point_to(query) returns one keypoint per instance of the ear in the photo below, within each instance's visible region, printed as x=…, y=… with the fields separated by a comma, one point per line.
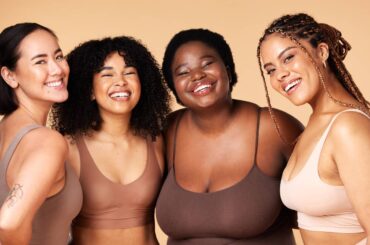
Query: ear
x=323, y=52
x=9, y=77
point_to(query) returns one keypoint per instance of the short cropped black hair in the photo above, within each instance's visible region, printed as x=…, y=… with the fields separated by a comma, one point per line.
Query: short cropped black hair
x=211, y=39
x=79, y=113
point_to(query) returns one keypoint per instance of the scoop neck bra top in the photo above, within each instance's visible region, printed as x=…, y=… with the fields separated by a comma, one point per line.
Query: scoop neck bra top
x=320, y=206
x=52, y=220
x=110, y=205
x=249, y=212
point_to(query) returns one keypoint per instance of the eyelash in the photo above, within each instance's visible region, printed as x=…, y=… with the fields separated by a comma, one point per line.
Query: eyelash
x=288, y=58
x=60, y=57
x=207, y=64
x=40, y=62
x=269, y=72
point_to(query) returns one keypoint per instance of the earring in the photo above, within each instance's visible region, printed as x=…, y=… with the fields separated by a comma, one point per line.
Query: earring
x=324, y=63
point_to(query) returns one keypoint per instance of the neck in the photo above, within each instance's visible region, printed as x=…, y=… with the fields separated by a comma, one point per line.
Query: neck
x=115, y=127
x=212, y=120
x=322, y=103
x=38, y=114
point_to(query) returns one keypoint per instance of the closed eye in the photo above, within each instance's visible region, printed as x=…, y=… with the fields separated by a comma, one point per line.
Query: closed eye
x=107, y=75
x=208, y=63
x=130, y=73
x=182, y=73
x=40, y=62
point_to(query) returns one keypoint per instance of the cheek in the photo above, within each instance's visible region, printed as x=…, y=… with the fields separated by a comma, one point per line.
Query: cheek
x=179, y=86
x=98, y=88
x=138, y=89
x=274, y=83
x=65, y=68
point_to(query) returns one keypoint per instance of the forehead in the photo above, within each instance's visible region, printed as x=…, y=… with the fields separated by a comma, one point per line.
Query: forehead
x=115, y=57
x=274, y=44
x=38, y=42
x=196, y=47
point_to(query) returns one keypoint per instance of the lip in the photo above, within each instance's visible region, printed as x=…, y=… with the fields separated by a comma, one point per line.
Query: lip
x=202, y=88
x=57, y=84
x=120, y=95
x=290, y=86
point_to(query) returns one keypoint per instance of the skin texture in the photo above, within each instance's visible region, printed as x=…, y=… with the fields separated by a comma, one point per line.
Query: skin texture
x=344, y=158
x=205, y=159
x=41, y=63
x=127, y=159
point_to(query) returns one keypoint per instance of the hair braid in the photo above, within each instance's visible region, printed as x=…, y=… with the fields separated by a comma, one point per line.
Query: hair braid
x=303, y=26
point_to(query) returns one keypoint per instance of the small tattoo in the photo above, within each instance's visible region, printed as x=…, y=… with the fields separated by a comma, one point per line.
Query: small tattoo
x=14, y=195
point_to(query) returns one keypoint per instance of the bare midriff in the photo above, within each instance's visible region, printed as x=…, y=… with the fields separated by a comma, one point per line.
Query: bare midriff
x=140, y=235
x=318, y=237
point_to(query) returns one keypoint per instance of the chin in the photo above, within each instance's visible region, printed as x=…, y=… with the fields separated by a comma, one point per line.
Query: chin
x=61, y=98
x=298, y=103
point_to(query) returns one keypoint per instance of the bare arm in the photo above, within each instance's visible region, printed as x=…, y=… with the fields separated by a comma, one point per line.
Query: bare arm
x=39, y=174
x=351, y=153
x=274, y=146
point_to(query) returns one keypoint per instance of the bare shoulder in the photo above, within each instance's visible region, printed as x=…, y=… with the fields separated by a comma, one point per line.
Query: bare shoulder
x=42, y=150
x=159, y=150
x=46, y=140
x=172, y=119
x=171, y=124
x=349, y=127
x=289, y=126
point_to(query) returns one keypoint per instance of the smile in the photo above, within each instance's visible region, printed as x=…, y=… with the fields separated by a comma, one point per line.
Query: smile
x=202, y=88
x=291, y=85
x=54, y=84
x=120, y=95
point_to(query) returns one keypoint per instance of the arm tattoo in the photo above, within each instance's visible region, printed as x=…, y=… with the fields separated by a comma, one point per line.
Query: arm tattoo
x=14, y=195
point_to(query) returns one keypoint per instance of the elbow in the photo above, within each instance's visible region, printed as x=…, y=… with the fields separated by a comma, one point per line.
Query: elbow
x=9, y=226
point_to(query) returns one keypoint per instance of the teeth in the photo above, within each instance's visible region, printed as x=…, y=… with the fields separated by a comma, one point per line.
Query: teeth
x=291, y=85
x=201, y=88
x=54, y=84
x=120, y=95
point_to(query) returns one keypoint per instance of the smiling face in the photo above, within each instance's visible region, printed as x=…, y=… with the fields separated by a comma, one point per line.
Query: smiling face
x=116, y=87
x=199, y=75
x=41, y=72
x=290, y=70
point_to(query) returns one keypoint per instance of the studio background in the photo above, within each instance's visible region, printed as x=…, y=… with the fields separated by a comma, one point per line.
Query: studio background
x=241, y=22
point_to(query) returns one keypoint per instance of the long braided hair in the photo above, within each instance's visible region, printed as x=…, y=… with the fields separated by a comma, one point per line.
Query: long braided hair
x=303, y=26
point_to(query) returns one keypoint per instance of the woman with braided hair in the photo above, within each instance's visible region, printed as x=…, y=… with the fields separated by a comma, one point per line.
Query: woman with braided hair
x=327, y=177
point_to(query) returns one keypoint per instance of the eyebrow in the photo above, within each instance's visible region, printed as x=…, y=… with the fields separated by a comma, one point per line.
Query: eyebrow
x=279, y=56
x=111, y=68
x=45, y=55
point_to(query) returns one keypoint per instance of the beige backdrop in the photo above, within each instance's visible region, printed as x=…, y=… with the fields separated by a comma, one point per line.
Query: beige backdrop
x=240, y=21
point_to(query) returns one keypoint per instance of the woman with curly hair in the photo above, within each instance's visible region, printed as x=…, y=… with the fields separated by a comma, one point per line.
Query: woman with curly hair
x=327, y=177
x=224, y=156
x=113, y=120
x=39, y=192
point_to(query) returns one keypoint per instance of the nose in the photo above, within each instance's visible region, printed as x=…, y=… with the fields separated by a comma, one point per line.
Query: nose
x=197, y=75
x=121, y=81
x=282, y=74
x=55, y=68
